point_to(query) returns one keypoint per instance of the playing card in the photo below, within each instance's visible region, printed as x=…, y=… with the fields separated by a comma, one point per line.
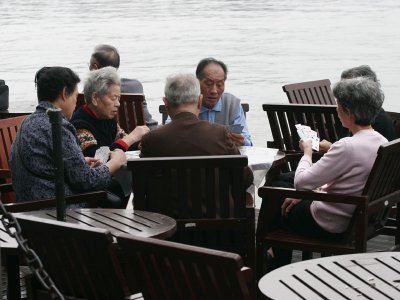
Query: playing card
x=235, y=128
x=103, y=153
x=306, y=133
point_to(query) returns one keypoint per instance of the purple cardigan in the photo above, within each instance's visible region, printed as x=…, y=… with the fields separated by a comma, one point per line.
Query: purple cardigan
x=344, y=169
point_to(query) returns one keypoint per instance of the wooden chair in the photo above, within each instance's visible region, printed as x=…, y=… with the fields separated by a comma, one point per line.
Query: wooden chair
x=204, y=194
x=82, y=261
x=164, y=113
x=310, y=92
x=167, y=270
x=8, y=131
x=283, y=118
x=130, y=112
x=9, y=246
x=380, y=193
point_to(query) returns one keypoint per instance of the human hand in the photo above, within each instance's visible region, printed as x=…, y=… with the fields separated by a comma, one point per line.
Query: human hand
x=93, y=162
x=237, y=138
x=305, y=146
x=118, y=157
x=136, y=134
x=324, y=145
x=288, y=205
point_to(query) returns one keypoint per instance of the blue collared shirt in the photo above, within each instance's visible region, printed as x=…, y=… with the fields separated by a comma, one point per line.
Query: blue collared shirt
x=208, y=114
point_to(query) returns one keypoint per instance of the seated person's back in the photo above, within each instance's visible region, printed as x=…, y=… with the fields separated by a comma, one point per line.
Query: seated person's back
x=31, y=159
x=186, y=135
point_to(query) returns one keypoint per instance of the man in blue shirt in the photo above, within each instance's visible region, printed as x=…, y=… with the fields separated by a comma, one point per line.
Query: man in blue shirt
x=219, y=107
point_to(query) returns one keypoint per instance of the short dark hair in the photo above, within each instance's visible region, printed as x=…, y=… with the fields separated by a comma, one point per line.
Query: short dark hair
x=106, y=56
x=362, y=96
x=50, y=82
x=360, y=71
x=205, y=62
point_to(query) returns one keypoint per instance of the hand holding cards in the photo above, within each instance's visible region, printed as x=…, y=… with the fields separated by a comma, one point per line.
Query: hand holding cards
x=103, y=154
x=235, y=128
x=306, y=133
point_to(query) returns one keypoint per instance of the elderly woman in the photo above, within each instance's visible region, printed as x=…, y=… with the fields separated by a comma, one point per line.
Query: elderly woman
x=31, y=154
x=95, y=121
x=343, y=169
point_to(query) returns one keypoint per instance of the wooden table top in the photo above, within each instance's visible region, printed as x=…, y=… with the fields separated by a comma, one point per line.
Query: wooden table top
x=7, y=243
x=135, y=222
x=373, y=275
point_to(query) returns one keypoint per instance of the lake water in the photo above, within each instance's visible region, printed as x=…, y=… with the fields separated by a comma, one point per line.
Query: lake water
x=265, y=44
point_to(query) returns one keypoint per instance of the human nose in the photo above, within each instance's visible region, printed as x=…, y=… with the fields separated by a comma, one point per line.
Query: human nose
x=214, y=89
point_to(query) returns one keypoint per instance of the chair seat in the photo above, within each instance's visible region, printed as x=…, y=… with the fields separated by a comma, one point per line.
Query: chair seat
x=291, y=240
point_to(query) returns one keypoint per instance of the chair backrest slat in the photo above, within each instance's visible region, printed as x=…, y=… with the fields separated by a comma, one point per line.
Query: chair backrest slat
x=82, y=261
x=172, y=174
x=167, y=270
x=283, y=118
x=130, y=111
x=310, y=92
x=384, y=177
x=8, y=132
x=205, y=194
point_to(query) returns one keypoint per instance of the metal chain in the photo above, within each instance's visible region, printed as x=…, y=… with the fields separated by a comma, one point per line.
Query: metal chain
x=13, y=228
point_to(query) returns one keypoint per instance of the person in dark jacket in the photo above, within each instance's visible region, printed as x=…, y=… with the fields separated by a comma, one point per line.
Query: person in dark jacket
x=108, y=56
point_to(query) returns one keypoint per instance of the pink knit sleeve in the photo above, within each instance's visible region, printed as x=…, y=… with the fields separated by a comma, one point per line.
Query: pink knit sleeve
x=334, y=163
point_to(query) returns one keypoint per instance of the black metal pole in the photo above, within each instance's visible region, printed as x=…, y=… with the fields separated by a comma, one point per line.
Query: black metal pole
x=55, y=116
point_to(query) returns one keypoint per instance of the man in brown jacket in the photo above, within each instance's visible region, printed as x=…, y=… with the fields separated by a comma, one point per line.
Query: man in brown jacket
x=186, y=135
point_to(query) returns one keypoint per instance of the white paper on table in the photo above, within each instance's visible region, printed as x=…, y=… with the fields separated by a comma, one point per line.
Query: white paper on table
x=130, y=155
x=259, y=161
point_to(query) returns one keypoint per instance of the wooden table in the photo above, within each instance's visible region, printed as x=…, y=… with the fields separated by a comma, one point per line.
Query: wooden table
x=135, y=222
x=260, y=160
x=373, y=275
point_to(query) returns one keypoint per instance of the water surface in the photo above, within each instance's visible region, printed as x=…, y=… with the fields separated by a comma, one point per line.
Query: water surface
x=265, y=44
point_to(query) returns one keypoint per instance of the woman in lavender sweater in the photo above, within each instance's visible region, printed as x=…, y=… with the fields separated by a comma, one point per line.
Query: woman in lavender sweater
x=343, y=169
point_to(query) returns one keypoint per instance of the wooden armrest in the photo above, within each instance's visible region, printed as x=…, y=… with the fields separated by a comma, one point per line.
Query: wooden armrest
x=137, y=296
x=279, y=193
x=247, y=273
x=385, y=201
x=92, y=199
x=5, y=173
x=6, y=188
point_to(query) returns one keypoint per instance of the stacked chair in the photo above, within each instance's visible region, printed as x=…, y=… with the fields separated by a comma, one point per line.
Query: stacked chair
x=86, y=263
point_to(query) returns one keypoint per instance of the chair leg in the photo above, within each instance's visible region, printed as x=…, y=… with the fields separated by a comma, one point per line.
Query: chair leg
x=261, y=253
x=306, y=255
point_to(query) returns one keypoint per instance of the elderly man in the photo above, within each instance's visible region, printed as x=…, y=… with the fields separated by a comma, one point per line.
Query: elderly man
x=108, y=56
x=186, y=134
x=218, y=106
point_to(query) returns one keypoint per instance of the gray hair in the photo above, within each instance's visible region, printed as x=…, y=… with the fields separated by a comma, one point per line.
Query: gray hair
x=99, y=81
x=360, y=71
x=360, y=95
x=182, y=89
